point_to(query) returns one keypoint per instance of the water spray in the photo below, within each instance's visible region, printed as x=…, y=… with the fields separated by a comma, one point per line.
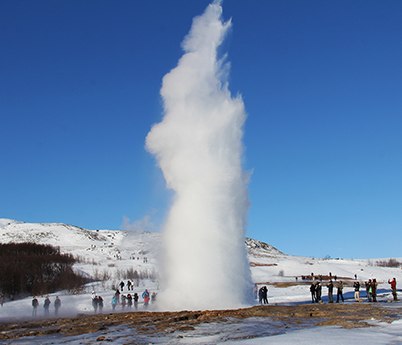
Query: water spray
x=198, y=146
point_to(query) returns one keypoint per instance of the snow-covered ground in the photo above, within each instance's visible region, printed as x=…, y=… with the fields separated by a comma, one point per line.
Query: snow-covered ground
x=72, y=304
x=113, y=252
x=379, y=334
x=260, y=331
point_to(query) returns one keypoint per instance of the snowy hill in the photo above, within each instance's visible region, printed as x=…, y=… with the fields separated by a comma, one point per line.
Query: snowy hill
x=4, y=222
x=113, y=251
x=260, y=249
x=93, y=244
x=105, y=247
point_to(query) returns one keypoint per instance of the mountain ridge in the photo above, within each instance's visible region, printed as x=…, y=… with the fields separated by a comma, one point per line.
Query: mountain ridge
x=60, y=234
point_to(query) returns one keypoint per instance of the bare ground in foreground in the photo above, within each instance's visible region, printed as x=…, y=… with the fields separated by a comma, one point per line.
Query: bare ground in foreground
x=348, y=315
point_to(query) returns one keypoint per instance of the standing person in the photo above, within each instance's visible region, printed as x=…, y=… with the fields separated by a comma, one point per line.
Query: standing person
x=117, y=295
x=374, y=289
x=35, y=305
x=318, y=292
x=129, y=284
x=123, y=301
x=265, y=295
x=356, y=285
x=57, y=305
x=121, y=285
x=100, y=304
x=393, y=287
x=46, y=305
x=330, y=287
x=260, y=293
x=368, y=290
x=135, y=298
x=340, y=291
x=255, y=291
x=145, y=296
x=95, y=304
x=129, y=299
x=2, y=299
x=312, y=290
x=114, y=302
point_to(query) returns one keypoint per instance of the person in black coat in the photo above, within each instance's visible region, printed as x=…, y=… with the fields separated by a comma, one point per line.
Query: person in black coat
x=265, y=295
x=312, y=290
x=356, y=285
x=260, y=295
x=135, y=298
x=35, y=304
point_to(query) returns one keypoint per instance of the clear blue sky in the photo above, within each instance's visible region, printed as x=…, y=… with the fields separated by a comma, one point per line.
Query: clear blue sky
x=321, y=82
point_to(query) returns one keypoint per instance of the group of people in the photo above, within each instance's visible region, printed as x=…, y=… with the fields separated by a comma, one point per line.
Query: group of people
x=46, y=305
x=97, y=302
x=312, y=276
x=130, y=300
x=371, y=289
x=130, y=285
x=144, y=259
x=370, y=286
x=126, y=300
x=316, y=291
x=262, y=294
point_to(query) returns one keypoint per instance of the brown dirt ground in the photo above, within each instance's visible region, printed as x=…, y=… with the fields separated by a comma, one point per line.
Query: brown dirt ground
x=151, y=323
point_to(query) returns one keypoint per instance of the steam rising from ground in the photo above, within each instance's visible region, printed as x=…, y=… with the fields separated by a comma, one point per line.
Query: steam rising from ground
x=199, y=147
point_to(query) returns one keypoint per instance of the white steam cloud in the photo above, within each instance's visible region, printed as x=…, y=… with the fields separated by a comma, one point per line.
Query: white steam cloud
x=138, y=225
x=198, y=146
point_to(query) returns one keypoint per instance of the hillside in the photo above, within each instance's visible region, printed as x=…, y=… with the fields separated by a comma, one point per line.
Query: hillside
x=112, y=251
x=104, y=247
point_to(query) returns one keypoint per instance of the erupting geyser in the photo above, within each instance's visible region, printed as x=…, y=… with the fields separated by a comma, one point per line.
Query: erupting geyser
x=198, y=146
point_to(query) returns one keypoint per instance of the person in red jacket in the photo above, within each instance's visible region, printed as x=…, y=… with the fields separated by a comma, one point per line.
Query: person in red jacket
x=393, y=287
